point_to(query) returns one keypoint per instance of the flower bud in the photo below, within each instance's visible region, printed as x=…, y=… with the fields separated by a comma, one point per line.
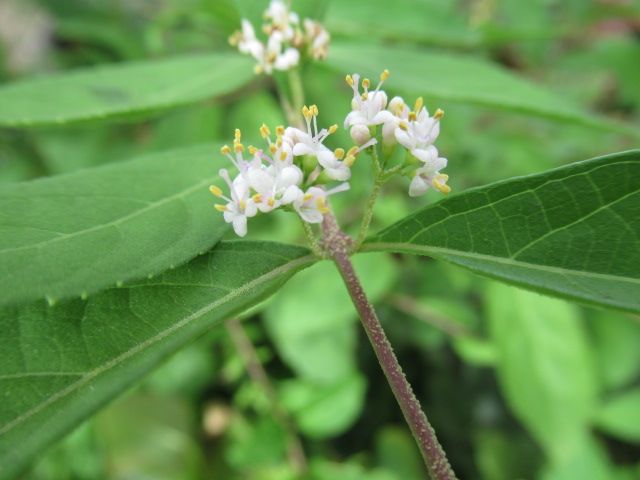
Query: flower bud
x=360, y=134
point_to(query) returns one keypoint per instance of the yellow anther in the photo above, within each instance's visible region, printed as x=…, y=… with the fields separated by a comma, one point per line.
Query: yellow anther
x=220, y=208
x=279, y=130
x=439, y=183
x=366, y=83
x=237, y=135
x=257, y=198
x=306, y=197
x=349, y=80
x=339, y=153
x=252, y=150
x=217, y=191
x=322, y=206
x=279, y=143
x=243, y=204
x=264, y=131
x=349, y=161
x=439, y=114
x=384, y=75
x=238, y=147
x=283, y=156
x=314, y=110
x=403, y=125
x=273, y=149
x=365, y=95
x=333, y=128
x=271, y=202
x=306, y=113
x=225, y=150
x=353, y=151
x=418, y=105
x=412, y=116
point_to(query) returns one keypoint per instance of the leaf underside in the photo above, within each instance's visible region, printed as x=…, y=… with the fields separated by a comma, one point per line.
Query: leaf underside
x=78, y=233
x=572, y=232
x=60, y=364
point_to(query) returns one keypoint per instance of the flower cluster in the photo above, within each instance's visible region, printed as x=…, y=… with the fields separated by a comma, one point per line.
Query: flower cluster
x=292, y=172
x=287, y=38
x=413, y=128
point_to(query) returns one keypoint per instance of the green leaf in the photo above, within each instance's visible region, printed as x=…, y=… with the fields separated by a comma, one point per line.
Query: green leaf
x=620, y=416
x=544, y=366
x=572, y=232
x=121, y=90
x=422, y=21
x=324, y=410
x=60, y=364
x=458, y=78
x=315, y=337
x=78, y=233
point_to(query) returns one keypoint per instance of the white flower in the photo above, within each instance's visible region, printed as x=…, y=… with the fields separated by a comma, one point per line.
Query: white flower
x=312, y=205
x=429, y=176
x=239, y=207
x=311, y=143
x=275, y=187
x=400, y=111
x=281, y=18
x=368, y=108
x=420, y=131
x=317, y=38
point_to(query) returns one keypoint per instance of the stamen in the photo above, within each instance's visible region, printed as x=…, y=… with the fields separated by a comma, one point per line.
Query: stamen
x=403, y=125
x=306, y=197
x=237, y=135
x=412, y=116
x=283, y=156
x=349, y=80
x=217, y=191
x=366, y=83
x=439, y=114
x=322, y=206
x=242, y=204
x=339, y=153
x=225, y=150
x=418, y=105
x=279, y=130
x=353, y=151
x=252, y=150
x=384, y=75
x=349, y=161
x=257, y=198
x=439, y=183
x=333, y=129
x=273, y=149
x=220, y=208
x=271, y=202
x=238, y=147
x=264, y=131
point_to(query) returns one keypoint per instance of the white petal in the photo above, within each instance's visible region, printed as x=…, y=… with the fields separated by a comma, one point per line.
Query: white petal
x=261, y=181
x=289, y=176
x=418, y=186
x=327, y=158
x=240, y=225
x=382, y=117
x=302, y=149
x=291, y=194
x=427, y=155
x=404, y=138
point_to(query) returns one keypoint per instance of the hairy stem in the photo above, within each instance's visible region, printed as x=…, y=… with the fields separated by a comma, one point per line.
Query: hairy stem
x=368, y=214
x=311, y=238
x=297, y=90
x=337, y=245
x=256, y=372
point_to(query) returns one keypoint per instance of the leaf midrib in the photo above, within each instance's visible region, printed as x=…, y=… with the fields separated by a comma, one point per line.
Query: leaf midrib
x=391, y=246
x=89, y=376
x=150, y=206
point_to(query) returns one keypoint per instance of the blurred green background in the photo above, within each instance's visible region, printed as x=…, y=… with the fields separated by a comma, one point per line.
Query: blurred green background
x=517, y=385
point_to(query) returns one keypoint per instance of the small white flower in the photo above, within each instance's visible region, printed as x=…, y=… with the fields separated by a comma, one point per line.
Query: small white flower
x=239, y=207
x=400, y=111
x=429, y=176
x=317, y=38
x=247, y=41
x=311, y=143
x=275, y=187
x=312, y=205
x=282, y=18
x=368, y=108
x=420, y=131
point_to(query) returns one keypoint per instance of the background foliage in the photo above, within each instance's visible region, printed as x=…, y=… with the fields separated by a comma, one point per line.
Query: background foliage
x=517, y=385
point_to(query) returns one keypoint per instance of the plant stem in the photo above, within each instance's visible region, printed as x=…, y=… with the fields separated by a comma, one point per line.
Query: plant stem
x=311, y=238
x=256, y=371
x=337, y=245
x=297, y=89
x=368, y=214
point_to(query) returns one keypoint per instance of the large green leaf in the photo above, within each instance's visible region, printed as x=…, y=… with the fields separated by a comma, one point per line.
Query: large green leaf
x=544, y=366
x=573, y=231
x=77, y=233
x=458, y=78
x=125, y=89
x=61, y=363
